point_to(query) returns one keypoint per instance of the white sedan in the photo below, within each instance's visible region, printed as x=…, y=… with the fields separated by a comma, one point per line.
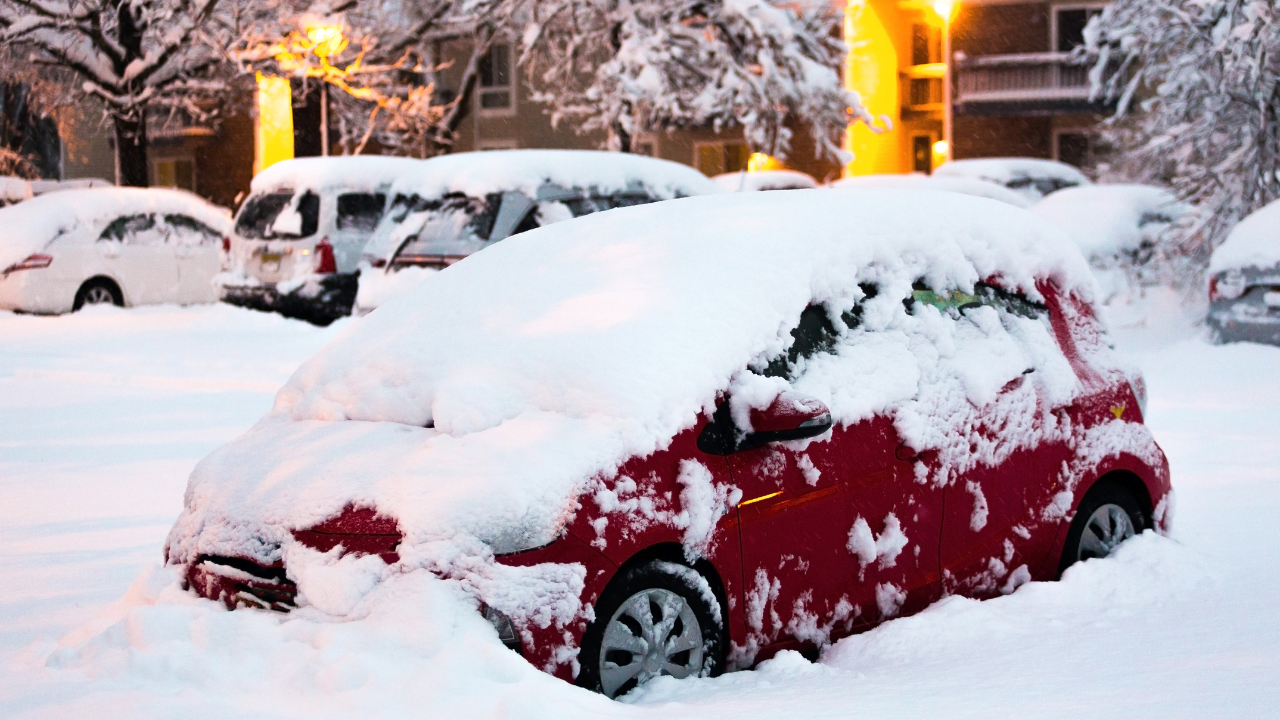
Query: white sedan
x=125, y=246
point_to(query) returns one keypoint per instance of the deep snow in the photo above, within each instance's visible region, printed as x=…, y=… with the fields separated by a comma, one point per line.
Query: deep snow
x=104, y=413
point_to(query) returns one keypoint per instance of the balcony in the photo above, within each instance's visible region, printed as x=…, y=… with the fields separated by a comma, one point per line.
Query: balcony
x=1023, y=84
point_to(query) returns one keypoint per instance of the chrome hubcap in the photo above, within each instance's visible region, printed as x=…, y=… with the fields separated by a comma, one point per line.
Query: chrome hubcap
x=1108, y=526
x=98, y=295
x=655, y=632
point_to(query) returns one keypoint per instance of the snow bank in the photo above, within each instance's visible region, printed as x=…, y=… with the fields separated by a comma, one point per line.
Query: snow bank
x=367, y=173
x=14, y=190
x=1254, y=243
x=1017, y=173
x=962, y=185
x=32, y=224
x=479, y=173
x=764, y=180
x=1107, y=220
x=476, y=408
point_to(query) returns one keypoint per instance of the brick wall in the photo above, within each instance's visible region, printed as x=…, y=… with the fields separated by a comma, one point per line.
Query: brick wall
x=1000, y=29
x=1003, y=137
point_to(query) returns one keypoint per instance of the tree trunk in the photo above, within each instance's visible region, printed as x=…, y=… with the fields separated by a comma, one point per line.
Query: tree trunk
x=131, y=151
x=621, y=137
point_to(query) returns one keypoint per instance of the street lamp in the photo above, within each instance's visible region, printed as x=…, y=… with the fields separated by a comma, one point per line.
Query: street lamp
x=945, y=9
x=326, y=41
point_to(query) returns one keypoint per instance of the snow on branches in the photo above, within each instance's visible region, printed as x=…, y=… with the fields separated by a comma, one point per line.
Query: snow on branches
x=628, y=67
x=1204, y=76
x=131, y=55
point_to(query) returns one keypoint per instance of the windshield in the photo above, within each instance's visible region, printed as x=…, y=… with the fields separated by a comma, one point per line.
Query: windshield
x=455, y=224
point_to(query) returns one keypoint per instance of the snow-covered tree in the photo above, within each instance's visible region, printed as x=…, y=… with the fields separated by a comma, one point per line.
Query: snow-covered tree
x=1197, y=86
x=630, y=66
x=130, y=55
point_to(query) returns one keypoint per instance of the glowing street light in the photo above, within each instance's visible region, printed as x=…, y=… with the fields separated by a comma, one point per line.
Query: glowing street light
x=326, y=41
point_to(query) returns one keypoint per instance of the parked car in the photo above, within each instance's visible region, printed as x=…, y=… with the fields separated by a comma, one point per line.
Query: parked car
x=1244, y=281
x=15, y=189
x=676, y=439
x=1032, y=178
x=765, y=180
x=125, y=246
x=453, y=206
x=915, y=181
x=298, y=236
x=1115, y=226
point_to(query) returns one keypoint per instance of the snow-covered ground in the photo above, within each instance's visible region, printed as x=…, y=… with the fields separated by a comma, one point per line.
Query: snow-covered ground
x=104, y=413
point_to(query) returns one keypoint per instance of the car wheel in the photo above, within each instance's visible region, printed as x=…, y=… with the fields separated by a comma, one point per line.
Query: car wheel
x=98, y=291
x=653, y=620
x=1108, y=515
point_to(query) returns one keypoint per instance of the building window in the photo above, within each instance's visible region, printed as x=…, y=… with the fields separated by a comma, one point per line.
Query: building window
x=926, y=44
x=714, y=158
x=925, y=91
x=497, y=91
x=1073, y=148
x=922, y=154
x=1069, y=24
x=179, y=174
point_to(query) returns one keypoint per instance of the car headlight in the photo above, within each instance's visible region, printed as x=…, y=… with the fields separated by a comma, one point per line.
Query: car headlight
x=506, y=629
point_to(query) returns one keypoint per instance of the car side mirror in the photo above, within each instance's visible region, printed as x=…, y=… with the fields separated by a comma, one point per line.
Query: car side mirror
x=792, y=416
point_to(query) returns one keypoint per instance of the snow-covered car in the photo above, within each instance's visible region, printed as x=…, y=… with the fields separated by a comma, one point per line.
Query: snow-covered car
x=676, y=439
x=1244, y=281
x=15, y=190
x=453, y=206
x=760, y=180
x=299, y=235
x=125, y=246
x=917, y=181
x=1032, y=178
x=1115, y=226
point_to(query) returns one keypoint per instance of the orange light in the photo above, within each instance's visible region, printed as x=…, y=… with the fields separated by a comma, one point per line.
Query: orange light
x=941, y=148
x=756, y=500
x=944, y=8
x=759, y=162
x=326, y=41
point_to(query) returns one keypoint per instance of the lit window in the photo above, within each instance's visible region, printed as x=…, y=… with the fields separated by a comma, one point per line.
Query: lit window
x=176, y=174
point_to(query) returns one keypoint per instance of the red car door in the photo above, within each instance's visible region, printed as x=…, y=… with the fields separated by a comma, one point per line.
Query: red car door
x=995, y=535
x=797, y=573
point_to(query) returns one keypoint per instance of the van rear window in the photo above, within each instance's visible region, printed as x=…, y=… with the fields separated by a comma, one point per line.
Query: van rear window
x=259, y=212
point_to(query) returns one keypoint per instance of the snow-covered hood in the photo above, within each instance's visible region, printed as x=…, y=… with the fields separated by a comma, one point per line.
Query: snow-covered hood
x=1006, y=170
x=962, y=185
x=550, y=359
x=1253, y=244
x=764, y=180
x=31, y=225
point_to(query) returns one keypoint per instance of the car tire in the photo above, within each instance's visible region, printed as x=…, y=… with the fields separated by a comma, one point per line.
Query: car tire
x=1108, y=515
x=98, y=291
x=658, y=600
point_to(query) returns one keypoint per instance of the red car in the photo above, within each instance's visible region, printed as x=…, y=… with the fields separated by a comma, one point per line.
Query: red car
x=948, y=418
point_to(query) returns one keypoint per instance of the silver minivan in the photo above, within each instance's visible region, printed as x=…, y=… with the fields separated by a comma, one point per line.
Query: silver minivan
x=456, y=205
x=299, y=235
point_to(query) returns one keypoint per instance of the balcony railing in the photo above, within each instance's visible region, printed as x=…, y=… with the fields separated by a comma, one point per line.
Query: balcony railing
x=1033, y=77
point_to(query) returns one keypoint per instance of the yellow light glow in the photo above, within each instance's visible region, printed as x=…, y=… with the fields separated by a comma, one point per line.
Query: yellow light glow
x=871, y=69
x=759, y=162
x=940, y=148
x=944, y=8
x=326, y=41
x=273, y=132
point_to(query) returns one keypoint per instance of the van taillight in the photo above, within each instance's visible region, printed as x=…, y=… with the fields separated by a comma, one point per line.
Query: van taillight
x=324, y=257
x=226, y=245
x=30, y=262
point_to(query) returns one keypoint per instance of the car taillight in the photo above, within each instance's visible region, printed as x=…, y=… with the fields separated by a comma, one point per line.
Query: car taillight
x=31, y=262
x=324, y=257
x=1213, y=288
x=226, y=245
x=379, y=262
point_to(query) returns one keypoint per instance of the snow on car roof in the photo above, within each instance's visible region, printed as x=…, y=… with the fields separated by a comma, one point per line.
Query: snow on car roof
x=368, y=173
x=1105, y=220
x=490, y=171
x=1005, y=170
x=916, y=181
x=1253, y=243
x=32, y=224
x=765, y=180
x=482, y=402
x=14, y=189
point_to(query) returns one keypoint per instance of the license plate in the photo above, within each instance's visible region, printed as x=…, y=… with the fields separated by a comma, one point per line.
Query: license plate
x=270, y=262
